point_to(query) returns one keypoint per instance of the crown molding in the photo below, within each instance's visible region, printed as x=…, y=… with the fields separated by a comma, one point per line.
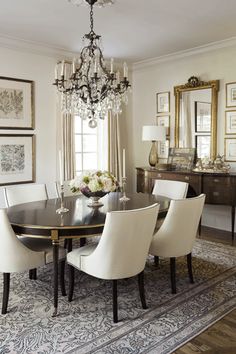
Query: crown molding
x=184, y=53
x=35, y=48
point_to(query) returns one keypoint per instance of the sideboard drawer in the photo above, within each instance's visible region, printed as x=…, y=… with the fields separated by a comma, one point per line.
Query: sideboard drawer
x=218, y=189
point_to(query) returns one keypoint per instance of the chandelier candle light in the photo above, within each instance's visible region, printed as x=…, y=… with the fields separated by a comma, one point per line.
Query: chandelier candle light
x=124, y=198
x=90, y=89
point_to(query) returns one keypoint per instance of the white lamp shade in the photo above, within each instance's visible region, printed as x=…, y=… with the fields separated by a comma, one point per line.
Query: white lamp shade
x=154, y=133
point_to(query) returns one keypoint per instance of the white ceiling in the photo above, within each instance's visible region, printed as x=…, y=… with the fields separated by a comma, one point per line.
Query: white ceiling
x=130, y=29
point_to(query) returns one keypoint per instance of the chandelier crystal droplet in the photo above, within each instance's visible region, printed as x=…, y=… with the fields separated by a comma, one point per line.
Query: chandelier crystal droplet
x=87, y=87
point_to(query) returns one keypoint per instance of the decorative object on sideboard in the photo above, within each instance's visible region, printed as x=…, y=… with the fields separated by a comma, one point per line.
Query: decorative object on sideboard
x=207, y=165
x=17, y=159
x=153, y=133
x=91, y=90
x=230, y=89
x=182, y=158
x=163, y=102
x=16, y=103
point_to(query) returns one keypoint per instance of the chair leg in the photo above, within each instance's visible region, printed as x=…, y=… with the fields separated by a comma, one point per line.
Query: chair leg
x=190, y=270
x=172, y=275
x=71, y=282
x=82, y=241
x=33, y=274
x=156, y=261
x=141, y=289
x=115, y=308
x=6, y=288
x=30, y=274
x=62, y=277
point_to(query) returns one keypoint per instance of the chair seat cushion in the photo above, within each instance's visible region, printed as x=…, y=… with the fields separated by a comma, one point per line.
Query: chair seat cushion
x=40, y=244
x=74, y=257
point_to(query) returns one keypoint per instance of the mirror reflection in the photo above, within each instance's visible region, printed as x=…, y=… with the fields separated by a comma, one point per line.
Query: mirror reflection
x=195, y=121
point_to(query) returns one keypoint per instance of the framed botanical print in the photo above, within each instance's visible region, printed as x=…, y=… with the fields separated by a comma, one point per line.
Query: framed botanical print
x=163, y=149
x=202, y=117
x=17, y=159
x=231, y=94
x=16, y=103
x=165, y=122
x=163, y=102
x=230, y=122
x=230, y=149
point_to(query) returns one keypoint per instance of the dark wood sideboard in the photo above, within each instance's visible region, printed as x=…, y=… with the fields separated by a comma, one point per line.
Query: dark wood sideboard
x=220, y=188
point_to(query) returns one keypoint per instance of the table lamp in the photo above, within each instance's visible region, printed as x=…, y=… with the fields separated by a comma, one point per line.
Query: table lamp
x=153, y=133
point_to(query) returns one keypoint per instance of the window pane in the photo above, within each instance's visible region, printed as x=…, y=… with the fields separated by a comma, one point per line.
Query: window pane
x=90, y=161
x=78, y=162
x=89, y=143
x=78, y=147
x=87, y=129
x=77, y=125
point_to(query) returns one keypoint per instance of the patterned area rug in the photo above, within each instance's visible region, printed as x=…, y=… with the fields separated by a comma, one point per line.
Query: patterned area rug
x=85, y=325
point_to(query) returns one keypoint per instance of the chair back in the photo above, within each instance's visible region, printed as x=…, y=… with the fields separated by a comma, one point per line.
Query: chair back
x=170, y=189
x=177, y=234
x=14, y=256
x=24, y=193
x=124, y=244
x=67, y=190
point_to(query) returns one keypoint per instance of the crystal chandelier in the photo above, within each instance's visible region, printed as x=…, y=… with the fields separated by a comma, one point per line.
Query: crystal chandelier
x=87, y=87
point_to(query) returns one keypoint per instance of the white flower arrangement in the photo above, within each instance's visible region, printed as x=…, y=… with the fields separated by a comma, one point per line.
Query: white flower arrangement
x=94, y=182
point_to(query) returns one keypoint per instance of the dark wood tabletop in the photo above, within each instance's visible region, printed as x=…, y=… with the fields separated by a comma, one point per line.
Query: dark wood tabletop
x=39, y=218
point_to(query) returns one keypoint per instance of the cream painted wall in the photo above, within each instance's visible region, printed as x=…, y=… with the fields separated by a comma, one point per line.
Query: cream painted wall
x=40, y=69
x=147, y=81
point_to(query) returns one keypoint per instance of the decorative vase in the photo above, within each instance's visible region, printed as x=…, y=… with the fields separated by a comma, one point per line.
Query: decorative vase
x=94, y=197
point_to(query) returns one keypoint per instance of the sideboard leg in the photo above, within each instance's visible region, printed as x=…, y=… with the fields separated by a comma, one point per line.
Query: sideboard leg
x=233, y=220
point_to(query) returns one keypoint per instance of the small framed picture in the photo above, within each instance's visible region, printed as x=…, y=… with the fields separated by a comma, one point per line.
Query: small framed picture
x=17, y=159
x=16, y=103
x=163, y=149
x=203, y=143
x=231, y=94
x=163, y=102
x=202, y=117
x=165, y=122
x=230, y=122
x=230, y=149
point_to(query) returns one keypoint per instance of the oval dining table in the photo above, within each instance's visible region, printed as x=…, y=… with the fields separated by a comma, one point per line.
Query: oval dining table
x=40, y=219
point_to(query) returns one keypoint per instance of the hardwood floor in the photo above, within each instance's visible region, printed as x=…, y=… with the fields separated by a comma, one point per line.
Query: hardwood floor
x=220, y=338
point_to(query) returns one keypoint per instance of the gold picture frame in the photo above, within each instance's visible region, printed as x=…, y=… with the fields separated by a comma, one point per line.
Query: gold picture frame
x=230, y=149
x=163, y=102
x=230, y=90
x=164, y=121
x=17, y=159
x=16, y=103
x=230, y=122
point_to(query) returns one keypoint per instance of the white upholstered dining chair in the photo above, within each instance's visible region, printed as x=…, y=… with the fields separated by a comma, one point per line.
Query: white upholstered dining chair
x=177, y=234
x=27, y=193
x=16, y=257
x=121, y=252
x=24, y=193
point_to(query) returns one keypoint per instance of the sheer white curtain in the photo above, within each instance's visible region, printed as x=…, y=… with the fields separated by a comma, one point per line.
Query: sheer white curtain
x=185, y=124
x=114, y=146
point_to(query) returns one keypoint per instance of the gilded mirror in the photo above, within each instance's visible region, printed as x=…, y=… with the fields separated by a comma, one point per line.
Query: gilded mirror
x=196, y=116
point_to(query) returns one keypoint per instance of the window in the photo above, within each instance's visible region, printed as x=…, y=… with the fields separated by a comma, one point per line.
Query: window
x=91, y=146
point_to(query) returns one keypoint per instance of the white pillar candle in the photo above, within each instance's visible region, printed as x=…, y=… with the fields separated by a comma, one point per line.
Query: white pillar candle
x=60, y=168
x=112, y=60
x=125, y=70
x=73, y=66
x=124, y=163
x=56, y=72
x=62, y=67
x=118, y=77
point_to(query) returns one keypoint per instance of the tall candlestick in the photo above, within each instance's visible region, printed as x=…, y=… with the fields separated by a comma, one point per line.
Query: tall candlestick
x=60, y=168
x=123, y=163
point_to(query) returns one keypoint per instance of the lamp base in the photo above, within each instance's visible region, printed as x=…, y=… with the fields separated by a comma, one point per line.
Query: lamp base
x=153, y=157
